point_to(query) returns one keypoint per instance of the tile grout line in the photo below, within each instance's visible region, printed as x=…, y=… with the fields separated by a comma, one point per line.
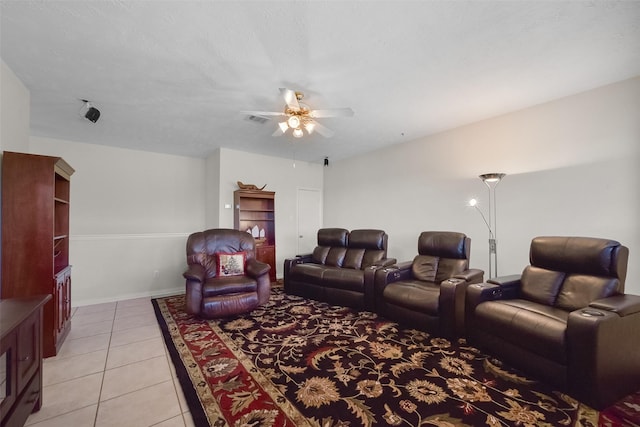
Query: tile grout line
x=104, y=370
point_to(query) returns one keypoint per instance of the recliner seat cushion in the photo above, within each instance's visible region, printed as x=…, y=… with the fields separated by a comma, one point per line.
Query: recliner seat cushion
x=344, y=278
x=537, y=327
x=309, y=273
x=415, y=295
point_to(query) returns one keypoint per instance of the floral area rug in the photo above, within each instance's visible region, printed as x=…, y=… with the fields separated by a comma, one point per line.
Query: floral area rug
x=298, y=362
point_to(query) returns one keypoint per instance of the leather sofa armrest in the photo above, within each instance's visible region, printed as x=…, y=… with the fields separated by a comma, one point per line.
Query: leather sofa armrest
x=398, y=271
x=603, y=350
x=472, y=275
x=303, y=258
x=481, y=292
x=255, y=268
x=195, y=272
x=387, y=262
x=513, y=279
x=390, y=274
x=622, y=305
x=452, y=305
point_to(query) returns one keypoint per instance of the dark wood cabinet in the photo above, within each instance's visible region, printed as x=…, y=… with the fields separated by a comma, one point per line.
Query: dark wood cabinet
x=35, y=238
x=255, y=213
x=20, y=358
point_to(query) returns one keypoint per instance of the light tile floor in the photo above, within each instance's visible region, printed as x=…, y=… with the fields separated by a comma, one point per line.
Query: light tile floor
x=112, y=370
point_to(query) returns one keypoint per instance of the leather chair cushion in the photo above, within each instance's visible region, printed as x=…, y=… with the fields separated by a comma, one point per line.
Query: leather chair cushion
x=372, y=256
x=335, y=257
x=344, y=278
x=333, y=237
x=536, y=327
x=319, y=254
x=448, y=267
x=353, y=258
x=367, y=239
x=415, y=295
x=444, y=245
x=308, y=273
x=425, y=267
x=579, y=290
x=584, y=255
x=229, y=285
x=541, y=285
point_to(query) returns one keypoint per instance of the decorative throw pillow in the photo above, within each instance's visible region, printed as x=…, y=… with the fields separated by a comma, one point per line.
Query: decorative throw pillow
x=231, y=264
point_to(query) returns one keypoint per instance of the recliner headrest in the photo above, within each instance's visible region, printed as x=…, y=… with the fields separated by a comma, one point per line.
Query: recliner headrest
x=583, y=255
x=444, y=244
x=368, y=239
x=217, y=240
x=333, y=237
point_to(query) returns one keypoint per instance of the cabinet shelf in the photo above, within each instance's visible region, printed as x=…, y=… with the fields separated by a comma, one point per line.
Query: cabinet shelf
x=59, y=200
x=257, y=208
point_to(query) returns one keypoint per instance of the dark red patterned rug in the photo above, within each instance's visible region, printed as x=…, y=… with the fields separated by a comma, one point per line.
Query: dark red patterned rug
x=297, y=362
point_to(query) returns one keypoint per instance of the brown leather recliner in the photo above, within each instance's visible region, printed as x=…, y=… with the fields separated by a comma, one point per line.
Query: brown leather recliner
x=429, y=292
x=565, y=320
x=214, y=289
x=341, y=269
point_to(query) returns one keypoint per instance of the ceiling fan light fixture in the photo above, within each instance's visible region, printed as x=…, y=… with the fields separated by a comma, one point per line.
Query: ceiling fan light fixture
x=283, y=126
x=293, y=122
x=298, y=133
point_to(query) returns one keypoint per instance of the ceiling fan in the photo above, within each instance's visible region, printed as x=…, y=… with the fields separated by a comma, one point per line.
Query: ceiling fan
x=299, y=117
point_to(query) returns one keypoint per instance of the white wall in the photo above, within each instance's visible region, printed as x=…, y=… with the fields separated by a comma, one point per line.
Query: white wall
x=131, y=213
x=212, y=188
x=14, y=111
x=572, y=165
x=281, y=176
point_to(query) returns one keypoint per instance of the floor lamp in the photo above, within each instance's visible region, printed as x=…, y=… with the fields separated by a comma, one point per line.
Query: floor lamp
x=491, y=180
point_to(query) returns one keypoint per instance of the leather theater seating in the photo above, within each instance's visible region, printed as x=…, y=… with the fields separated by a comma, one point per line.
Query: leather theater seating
x=566, y=320
x=429, y=291
x=341, y=269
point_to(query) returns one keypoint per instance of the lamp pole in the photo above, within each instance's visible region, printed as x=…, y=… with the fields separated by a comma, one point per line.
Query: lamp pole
x=491, y=180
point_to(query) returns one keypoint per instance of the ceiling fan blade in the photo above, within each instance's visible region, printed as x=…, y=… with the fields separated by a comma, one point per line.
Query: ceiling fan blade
x=278, y=132
x=333, y=112
x=265, y=114
x=290, y=98
x=322, y=130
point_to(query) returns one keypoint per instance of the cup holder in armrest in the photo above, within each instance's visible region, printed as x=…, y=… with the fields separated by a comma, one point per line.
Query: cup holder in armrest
x=591, y=313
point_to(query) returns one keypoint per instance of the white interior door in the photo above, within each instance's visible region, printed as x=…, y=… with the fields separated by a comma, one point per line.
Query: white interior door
x=309, y=219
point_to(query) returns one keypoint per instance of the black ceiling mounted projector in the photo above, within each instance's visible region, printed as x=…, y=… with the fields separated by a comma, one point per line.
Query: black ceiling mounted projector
x=92, y=114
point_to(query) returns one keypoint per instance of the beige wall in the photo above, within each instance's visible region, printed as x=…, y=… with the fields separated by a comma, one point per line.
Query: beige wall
x=14, y=111
x=131, y=213
x=573, y=168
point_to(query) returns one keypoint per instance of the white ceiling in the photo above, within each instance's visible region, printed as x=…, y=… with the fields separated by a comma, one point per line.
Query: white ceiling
x=173, y=76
